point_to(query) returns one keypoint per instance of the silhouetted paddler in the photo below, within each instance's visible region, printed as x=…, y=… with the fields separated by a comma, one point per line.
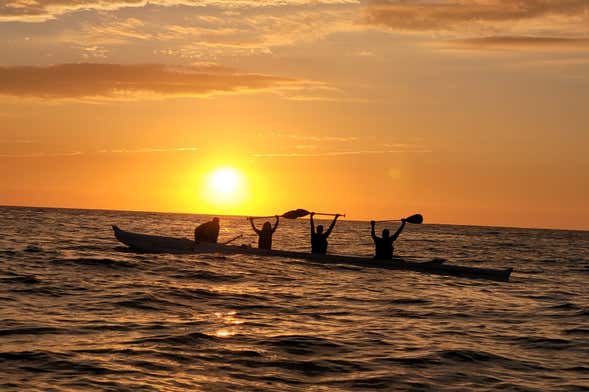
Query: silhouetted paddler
x=384, y=245
x=318, y=237
x=265, y=235
x=207, y=232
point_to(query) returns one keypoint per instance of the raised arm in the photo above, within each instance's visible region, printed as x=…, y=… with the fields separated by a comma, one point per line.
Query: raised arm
x=254, y=226
x=372, y=233
x=328, y=232
x=276, y=224
x=312, y=223
x=399, y=230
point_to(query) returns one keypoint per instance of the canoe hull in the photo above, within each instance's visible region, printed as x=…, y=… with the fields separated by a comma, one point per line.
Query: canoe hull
x=159, y=244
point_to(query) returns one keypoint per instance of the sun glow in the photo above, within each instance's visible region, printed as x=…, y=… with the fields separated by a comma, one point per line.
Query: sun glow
x=225, y=180
x=225, y=187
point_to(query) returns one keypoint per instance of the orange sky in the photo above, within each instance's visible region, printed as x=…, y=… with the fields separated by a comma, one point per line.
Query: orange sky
x=470, y=112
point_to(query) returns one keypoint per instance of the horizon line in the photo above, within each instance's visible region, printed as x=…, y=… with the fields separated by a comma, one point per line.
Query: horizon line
x=238, y=216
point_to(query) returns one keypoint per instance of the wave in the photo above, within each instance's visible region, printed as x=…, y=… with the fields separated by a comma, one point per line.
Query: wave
x=47, y=291
x=87, y=248
x=31, y=331
x=580, y=369
x=304, y=345
x=581, y=387
x=26, y=279
x=411, y=301
x=9, y=253
x=96, y=262
x=566, y=306
x=404, y=313
x=545, y=343
x=506, y=245
x=577, y=331
x=184, y=339
x=147, y=302
x=193, y=294
x=383, y=383
x=33, y=249
x=46, y=361
x=480, y=357
x=267, y=379
x=318, y=367
x=236, y=299
x=208, y=276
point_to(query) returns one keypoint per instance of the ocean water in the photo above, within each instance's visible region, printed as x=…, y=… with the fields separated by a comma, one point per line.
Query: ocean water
x=79, y=314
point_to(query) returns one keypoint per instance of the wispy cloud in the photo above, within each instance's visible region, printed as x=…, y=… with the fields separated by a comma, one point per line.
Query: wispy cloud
x=41, y=154
x=141, y=81
x=336, y=153
x=215, y=29
x=453, y=14
x=144, y=150
x=42, y=10
x=109, y=30
x=310, y=137
x=487, y=24
x=318, y=146
x=149, y=150
x=213, y=32
x=521, y=42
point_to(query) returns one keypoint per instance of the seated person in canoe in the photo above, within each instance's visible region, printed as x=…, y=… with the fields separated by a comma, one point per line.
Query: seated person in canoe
x=265, y=235
x=384, y=246
x=207, y=232
x=318, y=237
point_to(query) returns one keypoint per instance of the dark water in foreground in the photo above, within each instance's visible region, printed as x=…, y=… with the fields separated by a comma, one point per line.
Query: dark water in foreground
x=78, y=315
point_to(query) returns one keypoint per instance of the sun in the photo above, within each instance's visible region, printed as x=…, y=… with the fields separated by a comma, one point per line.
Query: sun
x=225, y=188
x=225, y=180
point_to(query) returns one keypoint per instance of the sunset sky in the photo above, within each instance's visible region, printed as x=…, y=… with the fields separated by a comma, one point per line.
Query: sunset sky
x=467, y=111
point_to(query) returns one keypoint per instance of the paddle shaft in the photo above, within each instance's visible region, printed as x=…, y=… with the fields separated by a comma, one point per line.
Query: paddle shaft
x=299, y=216
x=233, y=239
x=326, y=214
x=415, y=219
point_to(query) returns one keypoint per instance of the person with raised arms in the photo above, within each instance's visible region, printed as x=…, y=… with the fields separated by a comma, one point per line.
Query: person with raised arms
x=384, y=246
x=318, y=237
x=265, y=235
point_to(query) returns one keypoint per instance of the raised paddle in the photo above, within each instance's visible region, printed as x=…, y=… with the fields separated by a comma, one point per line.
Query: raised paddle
x=299, y=213
x=415, y=219
x=293, y=214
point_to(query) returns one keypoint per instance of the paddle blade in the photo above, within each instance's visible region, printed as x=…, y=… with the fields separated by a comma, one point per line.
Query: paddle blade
x=415, y=219
x=294, y=214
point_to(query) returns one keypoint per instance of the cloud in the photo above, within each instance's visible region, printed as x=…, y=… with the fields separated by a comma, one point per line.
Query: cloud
x=523, y=42
x=337, y=153
x=229, y=28
x=44, y=154
x=43, y=10
x=139, y=81
x=311, y=138
x=539, y=25
x=148, y=150
x=335, y=146
x=452, y=14
x=211, y=32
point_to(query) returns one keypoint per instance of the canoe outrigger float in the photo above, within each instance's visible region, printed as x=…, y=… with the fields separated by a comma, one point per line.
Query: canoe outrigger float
x=158, y=244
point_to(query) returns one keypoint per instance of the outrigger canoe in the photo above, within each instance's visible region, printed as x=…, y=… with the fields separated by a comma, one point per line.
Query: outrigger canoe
x=159, y=244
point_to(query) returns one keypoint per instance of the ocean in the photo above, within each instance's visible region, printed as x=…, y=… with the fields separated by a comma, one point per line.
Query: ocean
x=79, y=313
